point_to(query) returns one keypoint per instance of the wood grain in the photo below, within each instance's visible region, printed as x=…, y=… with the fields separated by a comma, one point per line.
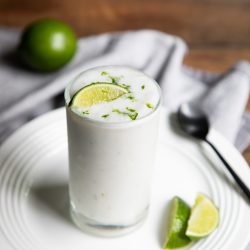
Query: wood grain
x=216, y=59
x=217, y=31
x=200, y=23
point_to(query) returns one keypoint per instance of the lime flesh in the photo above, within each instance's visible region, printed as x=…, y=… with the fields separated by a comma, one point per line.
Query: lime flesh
x=179, y=216
x=96, y=93
x=204, y=218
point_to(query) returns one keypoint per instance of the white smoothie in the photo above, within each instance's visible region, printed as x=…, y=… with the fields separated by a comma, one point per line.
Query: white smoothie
x=111, y=153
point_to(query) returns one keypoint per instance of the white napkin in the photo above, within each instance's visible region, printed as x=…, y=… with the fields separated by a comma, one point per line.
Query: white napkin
x=25, y=94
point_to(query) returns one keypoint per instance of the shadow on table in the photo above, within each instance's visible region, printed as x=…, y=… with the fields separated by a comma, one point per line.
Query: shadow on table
x=12, y=59
x=163, y=225
x=56, y=198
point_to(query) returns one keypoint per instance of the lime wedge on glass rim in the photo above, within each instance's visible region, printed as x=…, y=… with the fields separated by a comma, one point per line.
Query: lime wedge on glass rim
x=179, y=216
x=204, y=218
x=95, y=93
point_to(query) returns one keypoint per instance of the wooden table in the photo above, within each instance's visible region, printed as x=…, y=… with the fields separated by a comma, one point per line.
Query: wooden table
x=217, y=31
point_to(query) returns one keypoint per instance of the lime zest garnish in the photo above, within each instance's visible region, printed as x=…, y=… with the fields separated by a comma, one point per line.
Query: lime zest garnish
x=86, y=112
x=114, y=79
x=149, y=105
x=142, y=87
x=117, y=111
x=126, y=86
x=130, y=110
x=132, y=98
x=105, y=115
x=132, y=116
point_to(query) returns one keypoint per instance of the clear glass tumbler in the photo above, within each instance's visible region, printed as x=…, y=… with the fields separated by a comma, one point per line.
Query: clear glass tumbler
x=110, y=167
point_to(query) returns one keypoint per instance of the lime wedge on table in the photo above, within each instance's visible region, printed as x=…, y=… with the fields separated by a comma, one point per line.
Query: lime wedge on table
x=96, y=93
x=204, y=218
x=179, y=216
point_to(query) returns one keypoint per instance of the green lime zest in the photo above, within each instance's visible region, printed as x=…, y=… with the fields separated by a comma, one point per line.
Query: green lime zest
x=114, y=79
x=132, y=98
x=105, y=115
x=149, y=105
x=130, y=110
x=126, y=86
x=132, y=115
x=142, y=87
x=117, y=111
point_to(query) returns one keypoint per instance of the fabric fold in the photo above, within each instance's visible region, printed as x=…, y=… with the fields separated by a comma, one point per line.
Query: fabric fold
x=26, y=94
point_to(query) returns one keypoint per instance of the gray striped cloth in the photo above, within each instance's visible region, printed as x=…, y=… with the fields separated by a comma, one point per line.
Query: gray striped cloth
x=25, y=94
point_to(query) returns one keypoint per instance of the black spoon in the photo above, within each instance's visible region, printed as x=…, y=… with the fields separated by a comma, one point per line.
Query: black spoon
x=195, y=123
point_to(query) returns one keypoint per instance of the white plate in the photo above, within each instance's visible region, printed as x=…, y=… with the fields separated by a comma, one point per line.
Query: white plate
x=34, y=199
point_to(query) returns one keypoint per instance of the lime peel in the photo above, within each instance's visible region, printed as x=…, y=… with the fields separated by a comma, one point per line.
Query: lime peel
x=180, y=213
x=39, y=47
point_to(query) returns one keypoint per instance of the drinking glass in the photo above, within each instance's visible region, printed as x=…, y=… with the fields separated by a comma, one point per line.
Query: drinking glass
x=110, y=169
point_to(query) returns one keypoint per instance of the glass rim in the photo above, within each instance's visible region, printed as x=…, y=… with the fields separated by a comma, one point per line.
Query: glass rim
x=68, y=98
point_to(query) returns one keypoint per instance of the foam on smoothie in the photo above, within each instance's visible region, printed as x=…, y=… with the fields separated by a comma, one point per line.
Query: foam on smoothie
x=142, y=99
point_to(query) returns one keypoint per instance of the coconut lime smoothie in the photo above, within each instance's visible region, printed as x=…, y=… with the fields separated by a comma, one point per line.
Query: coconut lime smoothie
x=112, y=118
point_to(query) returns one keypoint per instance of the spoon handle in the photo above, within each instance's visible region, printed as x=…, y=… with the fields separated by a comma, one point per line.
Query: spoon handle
x=243, y=186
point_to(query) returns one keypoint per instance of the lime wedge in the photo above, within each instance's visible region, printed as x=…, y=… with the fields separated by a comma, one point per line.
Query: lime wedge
x=95, y=93
x=179, y=216
x=204, y=218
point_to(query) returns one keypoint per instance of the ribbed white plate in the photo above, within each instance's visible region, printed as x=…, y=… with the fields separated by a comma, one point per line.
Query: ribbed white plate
x=34, y=198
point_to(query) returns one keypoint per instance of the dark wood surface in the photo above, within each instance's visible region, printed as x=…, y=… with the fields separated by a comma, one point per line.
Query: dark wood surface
x=217, y=31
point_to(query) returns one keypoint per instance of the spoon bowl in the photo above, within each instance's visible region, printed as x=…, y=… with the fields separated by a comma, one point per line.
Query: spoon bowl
x=193, y=121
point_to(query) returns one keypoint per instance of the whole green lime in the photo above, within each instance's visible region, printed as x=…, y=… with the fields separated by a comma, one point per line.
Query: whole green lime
x=47, y=45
